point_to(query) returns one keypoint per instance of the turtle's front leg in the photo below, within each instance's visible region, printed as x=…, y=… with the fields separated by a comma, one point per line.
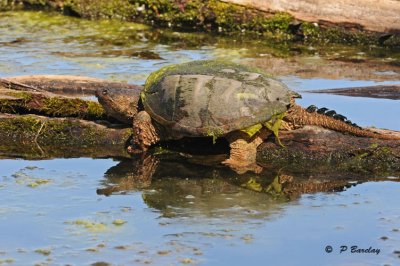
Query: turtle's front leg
x=144, y=133
x=243, y=151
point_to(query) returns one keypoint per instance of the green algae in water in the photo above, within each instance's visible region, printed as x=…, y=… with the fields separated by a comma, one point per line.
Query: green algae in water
x=275, y=187
x=22, y=178
x=91, y=226
x=41, y=22
x=187, y=261
x=7, y=261
x=119, y=222
x=45, y=252
x=38, y=182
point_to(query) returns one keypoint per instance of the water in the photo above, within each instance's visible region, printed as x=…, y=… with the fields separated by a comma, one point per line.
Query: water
x=205, y=219
x=174, y=211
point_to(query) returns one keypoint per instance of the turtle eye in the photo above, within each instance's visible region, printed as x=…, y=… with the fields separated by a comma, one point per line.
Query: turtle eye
x=104, y=92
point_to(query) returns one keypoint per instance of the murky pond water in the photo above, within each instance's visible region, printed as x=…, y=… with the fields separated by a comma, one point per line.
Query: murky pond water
x=169, y=211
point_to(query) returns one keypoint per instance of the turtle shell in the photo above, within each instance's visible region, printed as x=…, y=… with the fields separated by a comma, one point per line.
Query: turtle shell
x=204, y=98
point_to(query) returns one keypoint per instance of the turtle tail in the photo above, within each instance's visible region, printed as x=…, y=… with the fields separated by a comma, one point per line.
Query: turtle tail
x=298, y=117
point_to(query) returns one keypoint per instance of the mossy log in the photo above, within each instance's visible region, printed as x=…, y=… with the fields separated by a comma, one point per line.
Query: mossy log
x=51, y=95
x=315, y=149
x=36, y=136
x=48, y=104
x=36, y=123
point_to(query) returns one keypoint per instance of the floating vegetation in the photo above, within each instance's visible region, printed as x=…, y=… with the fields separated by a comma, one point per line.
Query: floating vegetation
x=187, y=261
x=22, y=178
x=7, y=261
x=90, y=225
x=38, y=182
x=119, y=222
x=43, y=251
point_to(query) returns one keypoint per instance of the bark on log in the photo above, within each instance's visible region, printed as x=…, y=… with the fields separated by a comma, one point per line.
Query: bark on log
x=62, y=84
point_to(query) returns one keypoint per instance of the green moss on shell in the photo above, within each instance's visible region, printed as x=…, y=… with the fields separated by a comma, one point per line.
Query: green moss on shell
x=204, y=67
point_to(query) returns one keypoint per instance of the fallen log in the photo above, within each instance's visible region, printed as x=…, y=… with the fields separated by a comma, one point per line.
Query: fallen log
x=381, y=91
x=311, y=150
x=370, y=15
x=48, y=104
x=29, y=126
x=62, y=84
x=38, y=136
x=45, y=95
x=316, y=149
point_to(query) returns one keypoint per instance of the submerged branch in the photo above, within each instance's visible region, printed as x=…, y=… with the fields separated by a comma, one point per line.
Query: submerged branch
x=381, y=91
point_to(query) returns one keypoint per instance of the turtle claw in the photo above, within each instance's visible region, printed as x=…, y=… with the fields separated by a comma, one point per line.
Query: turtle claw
x=132, y=150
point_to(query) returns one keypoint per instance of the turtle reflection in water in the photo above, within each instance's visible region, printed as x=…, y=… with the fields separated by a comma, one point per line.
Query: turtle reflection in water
x=164, y=181
x=216, y=99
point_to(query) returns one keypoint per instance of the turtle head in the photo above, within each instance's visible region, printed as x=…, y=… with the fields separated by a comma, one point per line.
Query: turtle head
x=120, y=104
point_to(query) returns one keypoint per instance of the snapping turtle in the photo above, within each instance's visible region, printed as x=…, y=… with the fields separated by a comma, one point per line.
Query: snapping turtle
x=210, y=98
x=217, y=99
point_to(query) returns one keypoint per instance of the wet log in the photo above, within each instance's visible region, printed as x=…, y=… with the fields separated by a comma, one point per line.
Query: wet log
x=381, y=91
x=33, y=136
x=316, y=149
x=62, y=84
x=48, y=104
x=29, y=126
x=309, y=150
